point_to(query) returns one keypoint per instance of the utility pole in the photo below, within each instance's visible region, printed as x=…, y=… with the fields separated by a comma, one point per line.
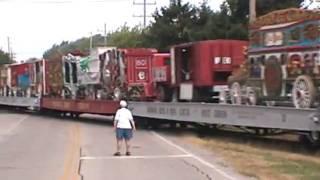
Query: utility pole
x=9, y=48
x=252, y=10
x=105, y=34
x=145, y=4
x=91, y=40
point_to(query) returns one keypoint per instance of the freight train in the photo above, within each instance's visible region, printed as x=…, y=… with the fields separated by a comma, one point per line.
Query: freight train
x=281, y=63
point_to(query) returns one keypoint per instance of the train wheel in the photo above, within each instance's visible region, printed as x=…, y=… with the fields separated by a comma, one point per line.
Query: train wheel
x=161, y=94
x=303, y=92
x=311, y=139
x=235, y=93
x=251, y=97
x=314, y=137
x=174, y=95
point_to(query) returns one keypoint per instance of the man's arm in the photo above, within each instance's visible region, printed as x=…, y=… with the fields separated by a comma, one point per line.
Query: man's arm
x=115, y=121
x=132, y=122
x=133, y=125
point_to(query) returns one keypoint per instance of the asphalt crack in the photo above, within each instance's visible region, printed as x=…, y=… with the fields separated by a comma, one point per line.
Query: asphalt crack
x=198, y=169
x=80, y=165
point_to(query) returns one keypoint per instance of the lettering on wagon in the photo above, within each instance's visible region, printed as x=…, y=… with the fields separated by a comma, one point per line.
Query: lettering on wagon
x=162, y=110
x=167, y=111
x=205, y=113
x=220, y=114
x=248, y=115
x=152, y=110
x=184, y=112
x=173, y=111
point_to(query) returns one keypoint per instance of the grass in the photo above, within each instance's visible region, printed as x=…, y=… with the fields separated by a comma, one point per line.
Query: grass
x=260, y=162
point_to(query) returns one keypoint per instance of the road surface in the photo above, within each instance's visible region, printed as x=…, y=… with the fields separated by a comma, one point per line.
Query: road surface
x=37, y=147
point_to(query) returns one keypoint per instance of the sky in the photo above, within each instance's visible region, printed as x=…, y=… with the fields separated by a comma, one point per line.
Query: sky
x=33, y=26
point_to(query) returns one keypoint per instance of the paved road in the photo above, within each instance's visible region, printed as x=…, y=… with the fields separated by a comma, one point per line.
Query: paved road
x=36, y=147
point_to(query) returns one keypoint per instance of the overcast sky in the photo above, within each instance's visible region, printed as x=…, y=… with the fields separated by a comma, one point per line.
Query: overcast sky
x=35, y=25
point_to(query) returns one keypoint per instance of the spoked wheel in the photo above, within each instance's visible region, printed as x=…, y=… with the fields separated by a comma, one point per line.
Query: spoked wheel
x=235, y=93
x=251, y=97
x=303, y=92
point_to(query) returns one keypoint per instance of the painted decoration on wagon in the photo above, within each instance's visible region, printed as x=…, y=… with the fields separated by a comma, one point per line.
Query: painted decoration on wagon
x=283, y=61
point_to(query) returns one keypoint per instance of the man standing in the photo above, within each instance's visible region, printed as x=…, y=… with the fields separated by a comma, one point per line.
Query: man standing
x=123, y=125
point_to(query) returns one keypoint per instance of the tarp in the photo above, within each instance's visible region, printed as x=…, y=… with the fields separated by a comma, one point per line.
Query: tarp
x=88, y=72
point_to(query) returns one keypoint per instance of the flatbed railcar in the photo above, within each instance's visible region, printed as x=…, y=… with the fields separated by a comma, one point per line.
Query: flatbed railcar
x=264, y=120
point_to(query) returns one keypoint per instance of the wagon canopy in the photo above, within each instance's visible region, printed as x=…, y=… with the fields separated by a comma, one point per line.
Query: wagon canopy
x=88, y=72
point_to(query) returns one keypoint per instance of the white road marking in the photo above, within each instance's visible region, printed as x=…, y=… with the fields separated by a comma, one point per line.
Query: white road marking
x=194, y=156
x=14, y=126
x=135, y=157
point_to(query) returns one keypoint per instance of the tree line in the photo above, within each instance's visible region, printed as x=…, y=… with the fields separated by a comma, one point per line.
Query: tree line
x=179, y=22
x=5, y=58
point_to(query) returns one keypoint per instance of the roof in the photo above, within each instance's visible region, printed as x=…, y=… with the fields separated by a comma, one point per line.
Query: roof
x=285, y=16
x=205, y=42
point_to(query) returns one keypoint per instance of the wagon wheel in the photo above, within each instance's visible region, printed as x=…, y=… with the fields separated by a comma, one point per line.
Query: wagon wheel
x=235, y=93
x=303, y=92
x=223, y=97
x=117, y=94
x=251, y=96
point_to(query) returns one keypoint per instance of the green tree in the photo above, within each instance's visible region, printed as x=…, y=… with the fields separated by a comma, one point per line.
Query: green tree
x=5, y=58
x=239, y=9
x=126, y=37
x=201, y=29
x=171, y=25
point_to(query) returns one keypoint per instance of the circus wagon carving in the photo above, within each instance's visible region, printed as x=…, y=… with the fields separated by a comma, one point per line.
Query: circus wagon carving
x=283, y=61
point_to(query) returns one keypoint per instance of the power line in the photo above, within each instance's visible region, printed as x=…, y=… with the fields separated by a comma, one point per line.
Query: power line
x=144, y=4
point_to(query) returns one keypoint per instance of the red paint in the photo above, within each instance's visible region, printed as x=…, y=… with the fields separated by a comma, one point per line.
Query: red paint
x=141, y=65
x=80, y=106
x=202, y=57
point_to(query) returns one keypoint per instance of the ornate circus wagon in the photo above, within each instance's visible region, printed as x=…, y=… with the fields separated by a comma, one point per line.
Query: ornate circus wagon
x=283, y=63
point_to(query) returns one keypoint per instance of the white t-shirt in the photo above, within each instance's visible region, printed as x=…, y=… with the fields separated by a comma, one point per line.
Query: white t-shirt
x=123, y=116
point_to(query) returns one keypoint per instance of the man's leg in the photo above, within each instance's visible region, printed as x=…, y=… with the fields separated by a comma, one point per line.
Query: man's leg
x=128, y=136
x=127, y=146
x=119, y=138
x=119, y=143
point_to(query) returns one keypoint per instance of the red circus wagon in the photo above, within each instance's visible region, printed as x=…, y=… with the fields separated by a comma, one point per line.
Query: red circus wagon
x=200, y=69
x=147, y=73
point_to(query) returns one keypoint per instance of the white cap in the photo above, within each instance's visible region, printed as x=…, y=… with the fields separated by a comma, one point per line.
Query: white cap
x=123, y=103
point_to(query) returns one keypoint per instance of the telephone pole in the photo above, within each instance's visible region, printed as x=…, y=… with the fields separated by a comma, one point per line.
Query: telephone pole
x=252, y=10
x=144, y=4
x=105, y=34
x=9, y=48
